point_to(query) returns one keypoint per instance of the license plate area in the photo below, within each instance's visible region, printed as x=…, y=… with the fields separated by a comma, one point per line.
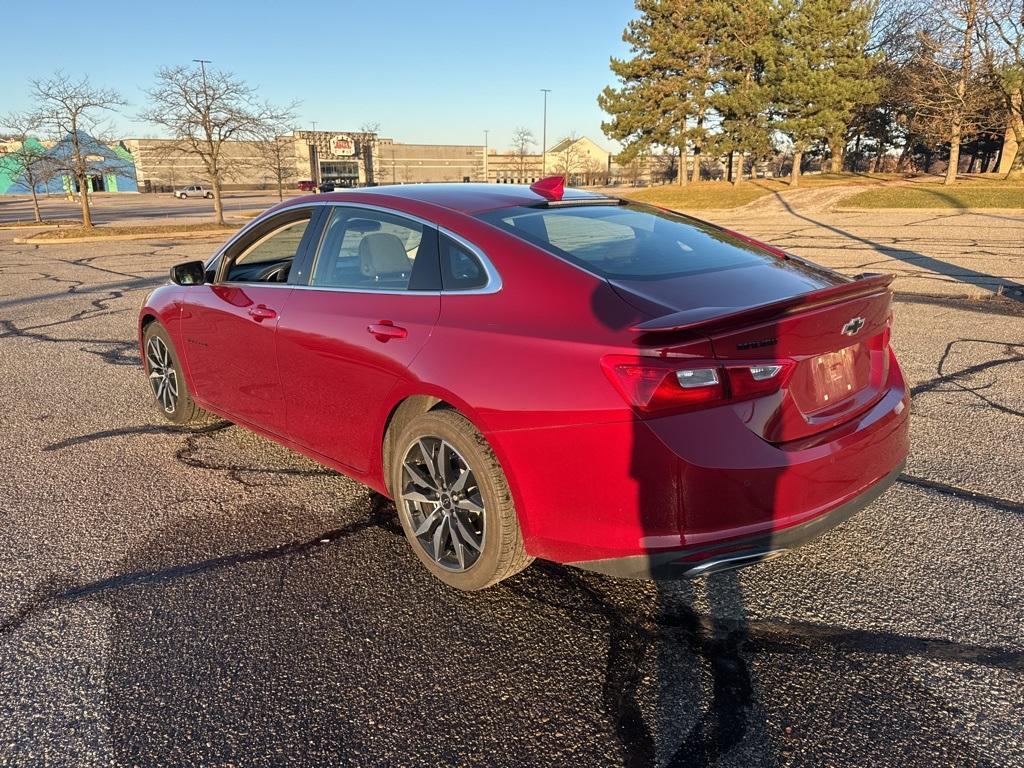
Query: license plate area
x=835, y=376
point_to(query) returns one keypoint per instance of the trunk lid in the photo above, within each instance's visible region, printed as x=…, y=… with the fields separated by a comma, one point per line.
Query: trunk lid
x=836, y=339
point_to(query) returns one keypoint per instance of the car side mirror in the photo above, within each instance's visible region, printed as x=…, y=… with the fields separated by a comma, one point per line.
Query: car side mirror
x=189, y=273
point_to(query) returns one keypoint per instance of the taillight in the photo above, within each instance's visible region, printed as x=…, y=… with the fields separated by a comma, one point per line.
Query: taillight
x=658, y=386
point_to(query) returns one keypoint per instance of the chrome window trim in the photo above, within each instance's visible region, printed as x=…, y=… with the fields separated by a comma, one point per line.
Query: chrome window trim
x=493, y=284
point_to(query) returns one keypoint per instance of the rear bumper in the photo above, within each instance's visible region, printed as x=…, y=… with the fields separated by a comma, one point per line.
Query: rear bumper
x=661, y=490
x=689, y=562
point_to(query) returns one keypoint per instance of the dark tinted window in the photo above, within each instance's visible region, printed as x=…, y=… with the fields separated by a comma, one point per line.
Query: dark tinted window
x=628, y=241
x=460, y=269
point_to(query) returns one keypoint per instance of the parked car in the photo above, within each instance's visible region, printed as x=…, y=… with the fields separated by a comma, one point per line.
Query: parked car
x=194, y=190
x=334, y=185
x=531, y=372
x=307, y=185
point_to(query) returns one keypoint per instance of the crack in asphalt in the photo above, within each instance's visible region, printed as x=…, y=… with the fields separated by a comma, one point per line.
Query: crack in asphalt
x=953, y=378
x=116, y=352
x=722, y=643
x=967, y=494
x=56, y=592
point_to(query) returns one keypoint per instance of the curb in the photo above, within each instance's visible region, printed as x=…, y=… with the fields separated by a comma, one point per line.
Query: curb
x=1012, y=211
x=112, y=238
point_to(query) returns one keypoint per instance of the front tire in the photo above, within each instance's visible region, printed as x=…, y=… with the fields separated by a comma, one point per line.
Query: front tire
x=454, y=502
x=166, y=380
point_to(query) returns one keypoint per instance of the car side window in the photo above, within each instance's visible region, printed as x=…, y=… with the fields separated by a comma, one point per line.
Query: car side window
x=460, y=269
x=268, y=258
x=363, y=249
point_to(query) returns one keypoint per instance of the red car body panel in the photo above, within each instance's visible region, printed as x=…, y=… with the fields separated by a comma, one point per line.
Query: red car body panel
x=591, y=481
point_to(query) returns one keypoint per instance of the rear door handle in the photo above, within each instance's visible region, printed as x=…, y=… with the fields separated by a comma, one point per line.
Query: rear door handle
x=261, y=312
x=385, y=330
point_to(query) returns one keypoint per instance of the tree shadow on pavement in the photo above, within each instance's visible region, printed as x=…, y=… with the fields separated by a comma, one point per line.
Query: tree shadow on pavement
x=1006, y=287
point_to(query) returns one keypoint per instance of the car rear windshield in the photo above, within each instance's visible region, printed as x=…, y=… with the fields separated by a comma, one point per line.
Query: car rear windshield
x=628, y=241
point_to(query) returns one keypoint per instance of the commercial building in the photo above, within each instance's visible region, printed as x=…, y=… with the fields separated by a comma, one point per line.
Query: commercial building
x=354, y=158
x=412, y=163
x=110, y=167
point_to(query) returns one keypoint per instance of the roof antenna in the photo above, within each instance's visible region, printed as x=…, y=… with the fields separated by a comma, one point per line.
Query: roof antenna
x=550, y=187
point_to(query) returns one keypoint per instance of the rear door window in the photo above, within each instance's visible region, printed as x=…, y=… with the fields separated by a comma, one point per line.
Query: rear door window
x=372, y=250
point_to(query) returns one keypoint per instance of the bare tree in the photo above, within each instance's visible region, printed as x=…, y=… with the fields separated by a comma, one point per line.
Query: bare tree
x=571, y=161
x=1002, y=44
x=30, y=156
x=522, y=141
x=204, y=109
x=947, y=106
x=276, y=152
x=72, y=109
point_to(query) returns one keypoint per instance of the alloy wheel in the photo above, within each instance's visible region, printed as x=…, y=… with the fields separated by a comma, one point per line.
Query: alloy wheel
x=163, y=378
x=442, y=501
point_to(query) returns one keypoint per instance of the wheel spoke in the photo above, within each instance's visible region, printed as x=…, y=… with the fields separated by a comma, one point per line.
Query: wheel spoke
x=428, y=459
x=418, y=478
x=465, y=533
x=469, y=505
x=438, y=536
x=460, y=481
x=411, y=494
x=172, y=383
x=432, y=518
x=460, y=551
x=442, y=464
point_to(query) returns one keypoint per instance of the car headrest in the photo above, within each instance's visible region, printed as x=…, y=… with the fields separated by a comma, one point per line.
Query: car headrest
x=382, y=253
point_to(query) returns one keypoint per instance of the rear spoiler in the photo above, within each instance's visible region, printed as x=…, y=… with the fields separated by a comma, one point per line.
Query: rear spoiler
x=704, y=318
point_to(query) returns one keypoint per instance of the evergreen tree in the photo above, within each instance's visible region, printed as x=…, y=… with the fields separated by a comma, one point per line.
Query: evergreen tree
x=742, y=97
x=665, y=87
x=821, y=71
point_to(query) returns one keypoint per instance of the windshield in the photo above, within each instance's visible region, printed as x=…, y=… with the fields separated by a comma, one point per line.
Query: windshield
x=629, y=241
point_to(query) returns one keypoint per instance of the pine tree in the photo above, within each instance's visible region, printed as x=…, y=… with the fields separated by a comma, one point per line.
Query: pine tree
x=821, y=71
x=665, y=87
x=742, y=97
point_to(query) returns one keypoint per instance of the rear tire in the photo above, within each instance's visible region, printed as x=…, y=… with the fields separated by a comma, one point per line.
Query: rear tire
x=167, y=382
x=454, y=502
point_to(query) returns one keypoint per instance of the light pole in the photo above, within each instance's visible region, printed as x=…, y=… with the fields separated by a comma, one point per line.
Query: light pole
x=202, y=68
x=485, y=155
x=544, y=136
x=314, y=160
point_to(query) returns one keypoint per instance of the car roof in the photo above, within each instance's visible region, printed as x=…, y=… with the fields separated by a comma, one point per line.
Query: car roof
x=465, y=198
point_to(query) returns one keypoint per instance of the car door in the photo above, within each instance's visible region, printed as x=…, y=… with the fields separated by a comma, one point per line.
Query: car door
x=229, y=324
x=349, y=336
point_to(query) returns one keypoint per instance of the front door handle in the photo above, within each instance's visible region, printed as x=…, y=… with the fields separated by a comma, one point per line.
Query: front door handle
x=385, y=330
x=261, y=312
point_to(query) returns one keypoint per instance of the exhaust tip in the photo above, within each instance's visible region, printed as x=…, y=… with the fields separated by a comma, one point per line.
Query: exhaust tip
x=733, y=562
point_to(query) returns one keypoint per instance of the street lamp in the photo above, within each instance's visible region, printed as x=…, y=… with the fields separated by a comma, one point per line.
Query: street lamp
x=544, y=136
x=314, y=159
x=485, y=155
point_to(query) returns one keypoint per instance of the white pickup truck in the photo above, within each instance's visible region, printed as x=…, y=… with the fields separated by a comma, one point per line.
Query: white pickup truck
x=195, y=190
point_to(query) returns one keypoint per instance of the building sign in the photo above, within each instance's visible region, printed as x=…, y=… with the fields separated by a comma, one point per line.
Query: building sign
x=342, y=146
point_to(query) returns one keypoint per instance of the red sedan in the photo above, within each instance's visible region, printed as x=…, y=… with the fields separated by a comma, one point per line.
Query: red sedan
x=530, y=373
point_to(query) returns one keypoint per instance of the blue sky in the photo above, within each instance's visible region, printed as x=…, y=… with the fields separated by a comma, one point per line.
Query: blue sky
x=426, y=71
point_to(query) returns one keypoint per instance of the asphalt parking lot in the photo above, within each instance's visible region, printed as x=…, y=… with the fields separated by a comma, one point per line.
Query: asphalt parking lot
x=194, y=597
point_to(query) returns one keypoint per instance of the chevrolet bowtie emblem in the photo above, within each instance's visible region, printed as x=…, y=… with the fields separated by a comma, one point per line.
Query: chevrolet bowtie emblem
x=852, y=327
